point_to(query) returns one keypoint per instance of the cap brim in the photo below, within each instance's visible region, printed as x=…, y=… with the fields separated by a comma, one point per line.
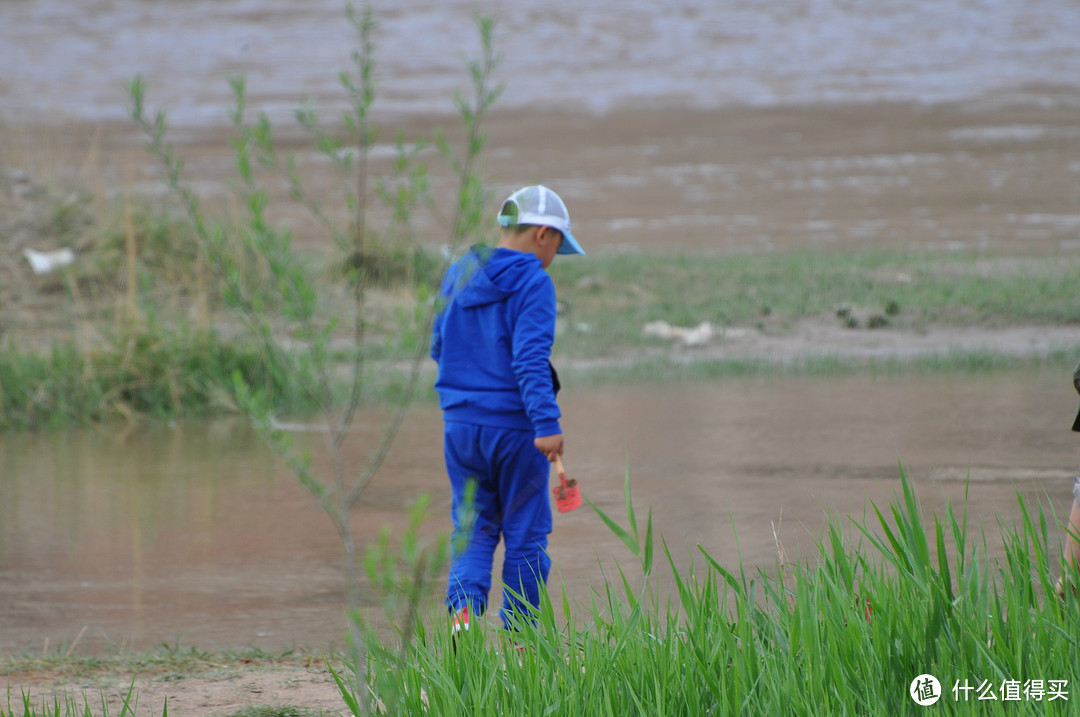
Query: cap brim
x=570, y=245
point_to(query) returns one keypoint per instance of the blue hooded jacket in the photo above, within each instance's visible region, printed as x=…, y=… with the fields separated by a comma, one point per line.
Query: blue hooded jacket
x=492, y=339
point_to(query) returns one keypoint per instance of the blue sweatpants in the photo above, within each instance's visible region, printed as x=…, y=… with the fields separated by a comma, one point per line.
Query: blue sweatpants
x=511, y=502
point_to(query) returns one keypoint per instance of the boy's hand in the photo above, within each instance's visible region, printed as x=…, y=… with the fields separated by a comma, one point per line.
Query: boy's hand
x=550, y=446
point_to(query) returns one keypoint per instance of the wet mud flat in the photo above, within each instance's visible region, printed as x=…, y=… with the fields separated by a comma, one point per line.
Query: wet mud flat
x=996, y=174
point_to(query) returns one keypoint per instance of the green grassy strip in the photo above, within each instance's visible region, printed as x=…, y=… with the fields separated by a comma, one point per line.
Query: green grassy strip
x=186, y=375
x=175, y=373
x=161, y=374
x=843, y=633
x=612, y=297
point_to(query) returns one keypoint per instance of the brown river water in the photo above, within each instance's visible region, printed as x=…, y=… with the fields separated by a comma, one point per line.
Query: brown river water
x=196, y=536
x=689, y=126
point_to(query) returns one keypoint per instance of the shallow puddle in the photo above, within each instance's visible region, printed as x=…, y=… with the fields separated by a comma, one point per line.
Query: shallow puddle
x=196, y=536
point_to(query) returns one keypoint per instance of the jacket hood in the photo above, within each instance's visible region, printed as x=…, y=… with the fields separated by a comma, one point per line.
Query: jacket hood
x=490, y=275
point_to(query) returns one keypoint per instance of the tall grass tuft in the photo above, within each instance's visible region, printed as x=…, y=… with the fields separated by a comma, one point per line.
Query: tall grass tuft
x=153, y=372
x=845, y=631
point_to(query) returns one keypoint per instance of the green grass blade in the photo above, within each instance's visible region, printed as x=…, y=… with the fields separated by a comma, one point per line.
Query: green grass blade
x=631, y=518
x=647, y=559
x=628, y=540
x=723, y=572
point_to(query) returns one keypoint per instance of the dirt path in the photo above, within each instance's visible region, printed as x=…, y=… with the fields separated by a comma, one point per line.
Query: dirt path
x=229, y=690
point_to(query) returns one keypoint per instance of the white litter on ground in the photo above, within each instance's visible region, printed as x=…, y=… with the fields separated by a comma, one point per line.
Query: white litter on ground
x=690, y=336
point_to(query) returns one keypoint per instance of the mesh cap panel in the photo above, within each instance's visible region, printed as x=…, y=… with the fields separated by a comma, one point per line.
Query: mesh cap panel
x=537, y=205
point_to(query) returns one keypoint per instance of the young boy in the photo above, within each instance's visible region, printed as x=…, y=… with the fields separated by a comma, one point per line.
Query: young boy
x=492, y=340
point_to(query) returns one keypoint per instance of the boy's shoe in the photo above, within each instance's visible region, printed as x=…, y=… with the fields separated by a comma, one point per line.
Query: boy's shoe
x=460, y=621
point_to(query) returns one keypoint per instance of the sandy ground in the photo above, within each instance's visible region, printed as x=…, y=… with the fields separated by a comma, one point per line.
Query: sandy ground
x=230, y=691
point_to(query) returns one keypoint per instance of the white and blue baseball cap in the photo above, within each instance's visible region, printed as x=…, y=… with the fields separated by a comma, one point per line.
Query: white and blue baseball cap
x=539, y=206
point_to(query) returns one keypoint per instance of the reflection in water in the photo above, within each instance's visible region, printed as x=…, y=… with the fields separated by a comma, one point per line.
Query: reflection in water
x=196, y=535
x=99, y=491
x=92, y=521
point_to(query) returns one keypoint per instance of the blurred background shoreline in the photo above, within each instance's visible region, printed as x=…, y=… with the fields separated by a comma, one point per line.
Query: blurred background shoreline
x=72, y=60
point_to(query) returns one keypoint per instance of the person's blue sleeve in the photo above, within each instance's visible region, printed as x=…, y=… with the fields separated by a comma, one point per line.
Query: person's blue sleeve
x=533, y=336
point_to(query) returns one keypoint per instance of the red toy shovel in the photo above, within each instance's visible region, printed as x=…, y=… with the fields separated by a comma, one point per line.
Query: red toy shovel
x=567, y=495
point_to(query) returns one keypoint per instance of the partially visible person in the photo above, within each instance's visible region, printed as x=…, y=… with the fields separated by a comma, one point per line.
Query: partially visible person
x=1072, y=533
